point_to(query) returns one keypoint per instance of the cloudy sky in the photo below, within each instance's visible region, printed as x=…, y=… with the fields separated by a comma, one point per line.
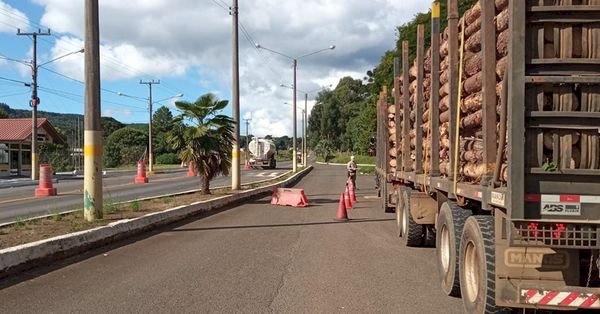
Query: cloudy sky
x=186, y=44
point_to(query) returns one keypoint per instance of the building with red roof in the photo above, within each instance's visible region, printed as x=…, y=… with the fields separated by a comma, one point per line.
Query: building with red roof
x=15, y=143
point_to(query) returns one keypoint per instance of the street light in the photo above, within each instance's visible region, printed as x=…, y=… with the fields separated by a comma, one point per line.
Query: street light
x=305, y=123
x=150, y=102
x=258, y=46
x=35, y=101
x=303, y=133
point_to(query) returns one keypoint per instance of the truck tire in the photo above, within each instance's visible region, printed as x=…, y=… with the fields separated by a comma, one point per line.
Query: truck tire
x=384, y=196
x=272, y=163
x=388, y=208
x=412, y=234
x=450, y=222
x=477, y=266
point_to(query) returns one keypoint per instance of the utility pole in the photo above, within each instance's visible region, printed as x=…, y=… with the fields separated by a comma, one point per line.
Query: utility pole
x=304, y=125
x=247, y=141
x=150, y=156
x=35, y=100
x=92, y=137
x=235, y=94
x=294, y=158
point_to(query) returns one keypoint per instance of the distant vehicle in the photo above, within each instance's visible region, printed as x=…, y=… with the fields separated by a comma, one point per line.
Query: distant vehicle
x=263, y=153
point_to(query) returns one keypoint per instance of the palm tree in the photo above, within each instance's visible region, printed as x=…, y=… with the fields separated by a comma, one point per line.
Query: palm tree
x=203, y=137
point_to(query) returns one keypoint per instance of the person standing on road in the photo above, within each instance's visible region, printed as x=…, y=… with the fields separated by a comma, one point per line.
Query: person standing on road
x=351, y=167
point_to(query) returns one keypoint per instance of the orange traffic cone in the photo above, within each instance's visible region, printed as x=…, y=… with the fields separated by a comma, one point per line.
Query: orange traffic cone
x=351, y=189
x=347, y=201
x=342, y=215
x=247, y=165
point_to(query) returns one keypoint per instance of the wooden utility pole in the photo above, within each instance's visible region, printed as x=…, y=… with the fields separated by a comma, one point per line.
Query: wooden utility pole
x=92, y=182
x=235, y=101
x=150, y=155
x=35, y=100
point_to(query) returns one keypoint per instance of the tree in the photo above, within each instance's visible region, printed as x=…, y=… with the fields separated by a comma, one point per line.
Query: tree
x=161, y=124
x=3, y=114
x=125, y=147
x=207, y=143
x=109, y=125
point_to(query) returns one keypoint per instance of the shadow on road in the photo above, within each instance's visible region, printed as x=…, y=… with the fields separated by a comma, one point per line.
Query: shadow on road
x=317, y=223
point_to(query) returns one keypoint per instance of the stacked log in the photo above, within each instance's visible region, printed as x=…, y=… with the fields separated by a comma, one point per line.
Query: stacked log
x=566, y=148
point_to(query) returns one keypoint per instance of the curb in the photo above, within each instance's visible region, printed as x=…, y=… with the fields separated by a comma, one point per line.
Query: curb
x=29, y=255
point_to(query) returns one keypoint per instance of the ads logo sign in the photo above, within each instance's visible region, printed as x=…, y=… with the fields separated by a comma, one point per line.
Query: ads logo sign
x=561, y=209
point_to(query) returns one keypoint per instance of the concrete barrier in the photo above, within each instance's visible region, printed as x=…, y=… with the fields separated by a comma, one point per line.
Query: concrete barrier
x=18, y=258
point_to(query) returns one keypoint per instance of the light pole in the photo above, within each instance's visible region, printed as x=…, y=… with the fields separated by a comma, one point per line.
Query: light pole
x=305, y=123
x=303, y=133
x=150, y=102
x=35, y=99
x=294, y=165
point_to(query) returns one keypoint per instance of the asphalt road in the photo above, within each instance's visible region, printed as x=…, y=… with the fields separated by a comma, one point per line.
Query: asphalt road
x=255, y=258
x=20, y=203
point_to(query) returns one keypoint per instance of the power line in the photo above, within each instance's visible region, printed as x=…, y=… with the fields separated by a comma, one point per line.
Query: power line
x=11, y=80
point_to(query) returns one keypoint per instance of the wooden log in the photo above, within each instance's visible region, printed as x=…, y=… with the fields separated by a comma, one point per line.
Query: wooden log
x=412, y=87
x=472, y=156
x=502, y=21
x=473, y=171
x=391, y=109
x=472, y=64
x=472, y=103
x=444, y=48
x=443, y=64
x=473, y=14
x=444, y=90
x=472, y=85
x=548, y=137
x=392, y=152
x=473, y=43
x=471, y=121
x=412, y=72
x=473, y=28
x=502, y=44
x=501, y=67
x=444, y=77
x=501, y=5
x=445, y=116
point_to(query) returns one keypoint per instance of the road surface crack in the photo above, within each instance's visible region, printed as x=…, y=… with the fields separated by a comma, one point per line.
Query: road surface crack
x=284, y=274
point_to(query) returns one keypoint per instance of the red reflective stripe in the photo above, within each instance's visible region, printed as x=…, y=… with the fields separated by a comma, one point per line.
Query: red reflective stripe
x=548, y=297
x=570, y=198
x=587, y=303
x=530, y=294
x=533, y=198
x=570, y=298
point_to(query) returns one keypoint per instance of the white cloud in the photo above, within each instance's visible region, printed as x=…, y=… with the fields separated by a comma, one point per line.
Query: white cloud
x=110, y=112
x=175, y=38
x=11, y=19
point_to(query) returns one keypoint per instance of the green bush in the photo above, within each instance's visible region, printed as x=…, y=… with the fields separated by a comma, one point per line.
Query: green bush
x=168, y=159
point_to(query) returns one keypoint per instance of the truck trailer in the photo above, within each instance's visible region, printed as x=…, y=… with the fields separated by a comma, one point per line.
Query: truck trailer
x=490, y=152
x=263, y=153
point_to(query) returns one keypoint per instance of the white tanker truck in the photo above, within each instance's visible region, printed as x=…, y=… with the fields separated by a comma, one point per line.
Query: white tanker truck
x=263, y=153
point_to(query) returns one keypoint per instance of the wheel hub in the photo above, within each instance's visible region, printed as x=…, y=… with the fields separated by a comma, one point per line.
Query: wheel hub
x=445, y=248
x=471, y=272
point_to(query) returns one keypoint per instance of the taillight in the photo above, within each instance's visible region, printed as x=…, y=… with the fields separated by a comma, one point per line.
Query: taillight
x=558, y=230
x=533, y=229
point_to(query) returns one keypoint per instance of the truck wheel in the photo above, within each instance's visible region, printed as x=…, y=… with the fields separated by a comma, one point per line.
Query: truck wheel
x=477, y=265
x=412, y=233
x=272, y=163
x=384, y=196
x=388, y=208
x=450, y=222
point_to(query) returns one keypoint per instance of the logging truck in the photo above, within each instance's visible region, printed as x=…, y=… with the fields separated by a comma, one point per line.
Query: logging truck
x=489, y=150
